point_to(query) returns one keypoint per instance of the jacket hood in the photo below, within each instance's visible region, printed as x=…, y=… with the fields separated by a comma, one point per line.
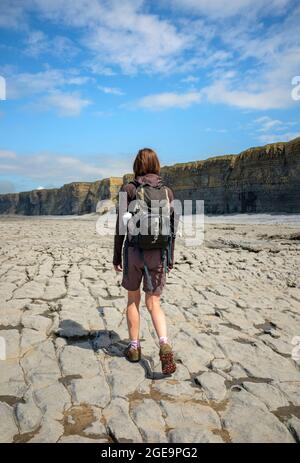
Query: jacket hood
x=151, y=179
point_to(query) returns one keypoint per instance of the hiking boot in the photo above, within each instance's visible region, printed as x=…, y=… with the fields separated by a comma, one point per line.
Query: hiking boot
x=133, y=355
x=167, y=359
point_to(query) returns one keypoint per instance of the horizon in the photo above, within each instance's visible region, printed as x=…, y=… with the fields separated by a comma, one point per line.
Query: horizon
x=89, y=84
x=163, y=166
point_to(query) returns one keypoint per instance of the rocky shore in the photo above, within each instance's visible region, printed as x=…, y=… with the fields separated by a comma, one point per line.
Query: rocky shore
x=233, y=308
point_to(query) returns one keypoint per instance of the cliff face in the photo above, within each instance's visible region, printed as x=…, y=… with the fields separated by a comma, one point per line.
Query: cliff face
x=264, y=179
x=73, y=198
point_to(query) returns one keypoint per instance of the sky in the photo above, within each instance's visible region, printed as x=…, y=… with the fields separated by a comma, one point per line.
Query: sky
x=90, y=82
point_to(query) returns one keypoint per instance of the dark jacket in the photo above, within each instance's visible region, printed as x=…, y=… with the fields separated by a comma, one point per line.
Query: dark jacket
x=130, y=189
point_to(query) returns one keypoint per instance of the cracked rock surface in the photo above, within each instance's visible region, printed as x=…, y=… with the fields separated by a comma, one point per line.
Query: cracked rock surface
x=233, y=309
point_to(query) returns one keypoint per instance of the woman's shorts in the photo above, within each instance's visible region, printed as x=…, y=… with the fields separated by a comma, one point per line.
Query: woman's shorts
x=136, y=273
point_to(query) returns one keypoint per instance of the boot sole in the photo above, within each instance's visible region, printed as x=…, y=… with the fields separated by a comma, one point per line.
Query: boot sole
x=136, y=360
x=133, y=361
x=169, y=364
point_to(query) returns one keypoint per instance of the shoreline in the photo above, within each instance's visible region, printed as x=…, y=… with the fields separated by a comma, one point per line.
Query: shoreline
x=236, y=219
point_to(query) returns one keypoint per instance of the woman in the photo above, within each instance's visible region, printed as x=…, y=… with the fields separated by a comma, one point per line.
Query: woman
x=148, y=264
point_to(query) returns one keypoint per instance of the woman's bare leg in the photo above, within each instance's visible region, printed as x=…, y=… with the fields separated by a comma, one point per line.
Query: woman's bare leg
x=158, y=317
x=159, y=321
x=133, y=314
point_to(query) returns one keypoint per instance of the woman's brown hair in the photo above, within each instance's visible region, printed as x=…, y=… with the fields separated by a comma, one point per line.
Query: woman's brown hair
x=146, y=162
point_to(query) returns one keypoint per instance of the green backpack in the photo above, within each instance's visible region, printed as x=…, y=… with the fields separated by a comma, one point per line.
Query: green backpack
x=149, y=227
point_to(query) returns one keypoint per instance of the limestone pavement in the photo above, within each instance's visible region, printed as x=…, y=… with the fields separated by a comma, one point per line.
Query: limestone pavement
x=233, y=308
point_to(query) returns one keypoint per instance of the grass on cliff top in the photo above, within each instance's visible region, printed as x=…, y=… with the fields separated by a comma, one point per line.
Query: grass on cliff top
x=192, y=164
x=230, y=157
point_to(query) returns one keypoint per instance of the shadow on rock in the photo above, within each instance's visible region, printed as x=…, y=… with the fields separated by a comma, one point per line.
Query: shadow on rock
x=106, y=340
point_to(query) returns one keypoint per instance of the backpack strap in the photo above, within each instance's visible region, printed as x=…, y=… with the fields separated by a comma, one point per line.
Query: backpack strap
x=141, y=189
x=169, y=251
x=134, y=182
x=168, y=198
x=147, y=273
x=165, y=260
x=125, y=256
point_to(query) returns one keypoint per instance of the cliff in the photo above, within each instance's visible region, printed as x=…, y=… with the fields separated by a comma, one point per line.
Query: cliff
x=73, y=198
x=263, y=179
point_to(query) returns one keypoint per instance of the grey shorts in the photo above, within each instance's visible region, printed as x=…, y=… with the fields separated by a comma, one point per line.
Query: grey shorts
x=135, y=274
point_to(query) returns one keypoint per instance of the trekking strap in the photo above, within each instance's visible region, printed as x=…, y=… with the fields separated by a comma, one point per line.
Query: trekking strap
x=164, y=259
x=169, y=251
x=168, y=199
x=147, y=273
x=166, y=255
x=125, y=257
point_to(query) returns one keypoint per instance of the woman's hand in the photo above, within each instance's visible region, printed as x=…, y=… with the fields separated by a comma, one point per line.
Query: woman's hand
x=118, y=268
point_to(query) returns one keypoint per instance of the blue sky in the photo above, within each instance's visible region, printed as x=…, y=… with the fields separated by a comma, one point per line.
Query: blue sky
x=89, y=82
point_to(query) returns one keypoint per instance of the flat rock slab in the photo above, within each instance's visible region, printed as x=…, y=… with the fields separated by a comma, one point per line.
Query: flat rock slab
x=8, y=427
x=193, y=434
x=31, y=290
x=213, y=386
x=119, y=422
x=93, y=391
x=248, y=420
x=232, y=307
x=147, y=415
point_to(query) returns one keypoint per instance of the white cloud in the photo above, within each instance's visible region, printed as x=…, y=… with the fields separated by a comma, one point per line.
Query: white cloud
x=274, y=53
x=268, y=130
x=116, y=32
x=135, y=41
x=66, y=104
x=190, y=80
x=38, y=43
x=96, y=67
x=29, y=84
x=5, y=154
x=225, y=8
x=47, y=90
x=161, y=101
x=24, y=84
x=111, y=90
x=214, y=36
x=6, y=186
x=266, y=123
x=231, y=94
x=278, y=137
x=58, y=169
x=124, y=34
x=12, y=14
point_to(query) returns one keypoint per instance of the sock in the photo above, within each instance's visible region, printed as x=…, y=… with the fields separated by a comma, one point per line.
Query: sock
x=163, y=340
x=135, y=343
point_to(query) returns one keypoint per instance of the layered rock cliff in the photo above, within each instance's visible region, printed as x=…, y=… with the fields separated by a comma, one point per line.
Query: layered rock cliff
x=73, y=198
x=263, y=179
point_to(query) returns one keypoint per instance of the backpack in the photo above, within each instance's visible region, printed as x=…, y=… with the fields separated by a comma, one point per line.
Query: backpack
x=149, y=226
